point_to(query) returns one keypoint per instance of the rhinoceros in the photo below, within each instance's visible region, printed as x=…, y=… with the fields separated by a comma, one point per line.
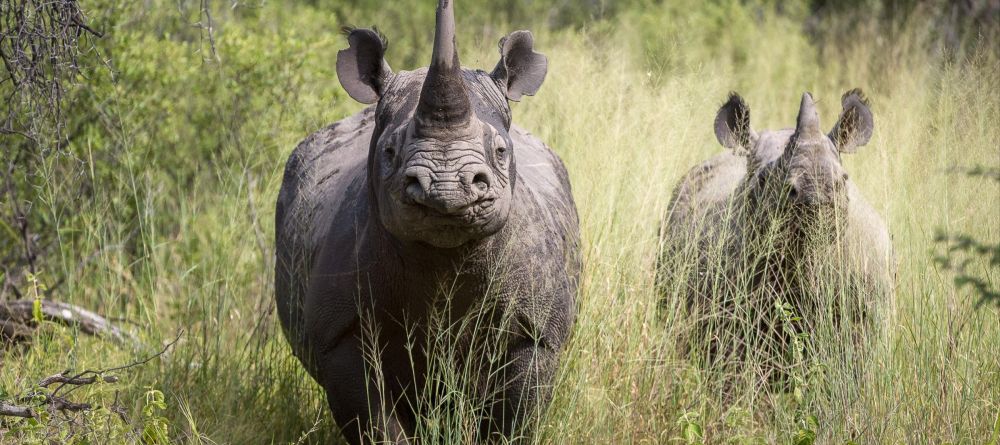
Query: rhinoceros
x=773, y=234
x=429, y=202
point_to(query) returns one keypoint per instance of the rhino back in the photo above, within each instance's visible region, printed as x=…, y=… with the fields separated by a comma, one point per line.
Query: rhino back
x=702, y=200
x=321, y=180
x=869, y=245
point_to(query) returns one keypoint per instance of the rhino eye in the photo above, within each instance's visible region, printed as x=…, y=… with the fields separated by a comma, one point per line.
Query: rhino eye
x=499, y=146
x=390, y=148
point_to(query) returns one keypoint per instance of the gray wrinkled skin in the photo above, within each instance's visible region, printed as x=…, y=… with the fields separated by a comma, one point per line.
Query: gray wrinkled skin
x=764, y=217
x=431, y=192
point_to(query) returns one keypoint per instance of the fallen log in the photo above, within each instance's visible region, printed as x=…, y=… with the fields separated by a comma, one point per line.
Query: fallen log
x=64, y=378
x=7, y=409
x=15, y=314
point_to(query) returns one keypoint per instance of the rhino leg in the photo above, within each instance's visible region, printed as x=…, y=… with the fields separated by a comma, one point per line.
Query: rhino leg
x=357, y=400
x=526, y=389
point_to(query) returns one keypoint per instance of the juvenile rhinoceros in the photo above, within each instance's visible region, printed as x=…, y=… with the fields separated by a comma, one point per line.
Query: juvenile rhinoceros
x=772, y=235
x=429, y=202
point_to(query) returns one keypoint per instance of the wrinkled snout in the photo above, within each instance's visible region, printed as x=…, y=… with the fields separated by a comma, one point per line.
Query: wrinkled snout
x=449, y=192
x=818, y=206
x=816, y=192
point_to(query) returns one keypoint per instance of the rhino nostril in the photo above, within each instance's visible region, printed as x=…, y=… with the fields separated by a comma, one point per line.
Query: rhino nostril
x=481, y=181
x=412, y=180
x=414, y=186
x=413, y=190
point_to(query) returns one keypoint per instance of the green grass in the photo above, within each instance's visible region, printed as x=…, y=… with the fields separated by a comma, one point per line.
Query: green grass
x=159, y=213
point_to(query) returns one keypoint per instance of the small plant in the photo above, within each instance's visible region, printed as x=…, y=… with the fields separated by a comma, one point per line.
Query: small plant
x=692, y=432
x=36, y=289
x=155, y=425
x=808, y=425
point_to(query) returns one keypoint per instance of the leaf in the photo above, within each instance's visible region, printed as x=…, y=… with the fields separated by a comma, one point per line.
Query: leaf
x=36, y=310
x=813, y=422
x=804, y=437
x=693, y=432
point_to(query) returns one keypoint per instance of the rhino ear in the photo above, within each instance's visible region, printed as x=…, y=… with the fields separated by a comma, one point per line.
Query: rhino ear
x=362, y=68
x=732, y=124
x=855, y=126
x=520, y=70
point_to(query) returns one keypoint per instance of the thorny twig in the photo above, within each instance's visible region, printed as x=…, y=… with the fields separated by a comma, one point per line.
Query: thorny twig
x=123, y=367
x=42, y=45
x=209, y=27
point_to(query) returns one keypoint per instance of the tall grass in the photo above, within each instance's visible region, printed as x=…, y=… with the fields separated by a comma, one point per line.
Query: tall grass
x=162, y=206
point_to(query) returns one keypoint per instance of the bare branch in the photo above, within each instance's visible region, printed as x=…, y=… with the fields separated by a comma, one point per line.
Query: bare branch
x=122, y=367
x=62, y=404
x=63, y=378
x=59, y=402
x=209, y=26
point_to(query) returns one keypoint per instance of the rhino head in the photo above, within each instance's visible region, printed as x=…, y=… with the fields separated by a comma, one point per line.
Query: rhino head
x=798, y=172
x=441, y=160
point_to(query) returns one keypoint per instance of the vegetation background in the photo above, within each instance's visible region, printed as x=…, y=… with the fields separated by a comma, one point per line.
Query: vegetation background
x=144, y=191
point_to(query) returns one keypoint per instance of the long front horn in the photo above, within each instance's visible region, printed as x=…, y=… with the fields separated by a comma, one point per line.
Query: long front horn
x=808, y=121
x=443, y=99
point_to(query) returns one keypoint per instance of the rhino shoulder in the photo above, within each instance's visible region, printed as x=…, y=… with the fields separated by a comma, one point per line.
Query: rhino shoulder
x=543, y=183
x=537, y=161
x=322, y=155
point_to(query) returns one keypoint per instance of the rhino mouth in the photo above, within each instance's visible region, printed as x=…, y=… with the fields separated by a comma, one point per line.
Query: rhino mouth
x=819, y=225
x=452, y=228
x=474, y=214
x=447, y=227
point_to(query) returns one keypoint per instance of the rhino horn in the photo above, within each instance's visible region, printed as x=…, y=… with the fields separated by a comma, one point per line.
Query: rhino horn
x=807, y=125
x=444, y=102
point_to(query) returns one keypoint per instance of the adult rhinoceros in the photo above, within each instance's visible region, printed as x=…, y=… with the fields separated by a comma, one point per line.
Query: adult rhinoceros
x=771, y=240
x=429, y=202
